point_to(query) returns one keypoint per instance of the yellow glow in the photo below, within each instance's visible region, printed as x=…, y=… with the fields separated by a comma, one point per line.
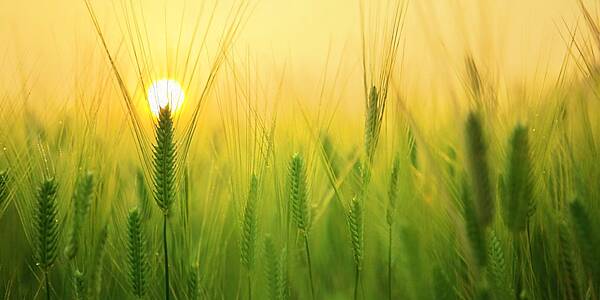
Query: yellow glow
x=165, y=92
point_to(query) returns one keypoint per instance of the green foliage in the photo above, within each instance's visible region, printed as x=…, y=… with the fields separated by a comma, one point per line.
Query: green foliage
x=137, y=254
x=518, y=188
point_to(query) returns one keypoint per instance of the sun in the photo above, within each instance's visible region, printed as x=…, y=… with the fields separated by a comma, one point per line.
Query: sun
x=165, y=92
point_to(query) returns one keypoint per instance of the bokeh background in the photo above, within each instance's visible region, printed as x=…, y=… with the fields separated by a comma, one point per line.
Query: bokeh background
x=514, y=41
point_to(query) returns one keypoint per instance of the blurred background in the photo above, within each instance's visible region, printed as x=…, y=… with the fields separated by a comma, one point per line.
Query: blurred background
x=47, y=43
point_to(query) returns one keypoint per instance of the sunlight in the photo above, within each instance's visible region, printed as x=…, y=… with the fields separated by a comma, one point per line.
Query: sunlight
x=165, y=92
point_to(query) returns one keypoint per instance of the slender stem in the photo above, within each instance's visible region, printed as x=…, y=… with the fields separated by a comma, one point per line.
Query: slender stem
x=356, y=281
x=249, y=286
x=310, y=276
x=390, y=263
x=47, y=285
x=166, y=252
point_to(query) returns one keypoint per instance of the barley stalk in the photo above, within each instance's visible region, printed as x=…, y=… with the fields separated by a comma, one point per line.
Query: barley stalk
x=47, y=229
x=588, y=242
x=477, y=162
x=568, y=267
x=194, y=282
x=136, y=256
x=4, y=185
x=164, y=178
x=79, y=285
x=372, y=120
x=249, y=231
x=475, y=232
x=272, y=270
x=356, y=225
x=81, y=205
x=497, y=270
x=298, y=194
x=95, y=280
x=517, y=188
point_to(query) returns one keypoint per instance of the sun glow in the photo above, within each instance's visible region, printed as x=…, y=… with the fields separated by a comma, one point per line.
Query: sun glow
x=165, y=92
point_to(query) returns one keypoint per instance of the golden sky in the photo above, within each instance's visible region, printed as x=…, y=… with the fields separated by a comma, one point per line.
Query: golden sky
x=48, y=40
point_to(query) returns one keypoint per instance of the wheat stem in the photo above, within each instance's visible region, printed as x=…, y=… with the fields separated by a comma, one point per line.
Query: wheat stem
x=308, y=261
x=390, y=263
x=164, y=177
x=166, y=252
x=47, y=284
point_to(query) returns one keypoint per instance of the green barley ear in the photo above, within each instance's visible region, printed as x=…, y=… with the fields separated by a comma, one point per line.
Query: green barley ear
x=517, y=187
x=79, y=285
x=393, y=190
x=82, y=198
x=4, y=181
x=356, y=225
x=95, y=279
x=477, y=162
x=272, y=270
x=497, y=270
x=568, y=269
x=442, y=287
x=194, y=282
x=371, y=121
x=475, y=232
x=164, y=161
x=250, y=226
x=301, y=207
x=299, y=193
x=137, y=257
x=46, y=225
x=587, y=240
x=413, y=150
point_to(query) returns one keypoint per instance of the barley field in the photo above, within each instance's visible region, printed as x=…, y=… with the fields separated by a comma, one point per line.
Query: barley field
x=286, y=149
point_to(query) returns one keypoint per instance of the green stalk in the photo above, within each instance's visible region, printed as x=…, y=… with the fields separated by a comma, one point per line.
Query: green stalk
x=356, y=282
x=166, y=252
x=164, y=177
x=310, y=273
x=47, y=283
x=300, y=206
x=390, y=263
x=47, y=229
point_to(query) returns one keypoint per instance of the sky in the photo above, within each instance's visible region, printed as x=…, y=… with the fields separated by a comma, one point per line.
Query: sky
x=50, y=41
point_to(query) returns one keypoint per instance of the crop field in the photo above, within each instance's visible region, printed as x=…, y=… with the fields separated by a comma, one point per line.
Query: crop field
x=286, y=149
